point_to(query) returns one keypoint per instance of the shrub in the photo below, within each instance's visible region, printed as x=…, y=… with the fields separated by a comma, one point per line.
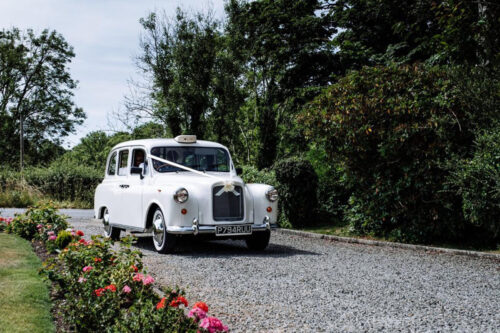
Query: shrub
x=4, y=222
x=251, y=174
x=63, y=239
x=106, y=290
x=66, y=181
x=477, y=180
x=395, y=129
x=297, y=186
x=39, y=222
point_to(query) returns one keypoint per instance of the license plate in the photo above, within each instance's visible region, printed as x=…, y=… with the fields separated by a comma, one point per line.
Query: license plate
x=224, y=230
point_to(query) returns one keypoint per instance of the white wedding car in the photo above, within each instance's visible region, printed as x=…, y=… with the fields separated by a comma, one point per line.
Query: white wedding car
x=182, y=186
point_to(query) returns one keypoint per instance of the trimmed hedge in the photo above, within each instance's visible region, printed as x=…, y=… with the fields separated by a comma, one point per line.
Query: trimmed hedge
x=298, y=187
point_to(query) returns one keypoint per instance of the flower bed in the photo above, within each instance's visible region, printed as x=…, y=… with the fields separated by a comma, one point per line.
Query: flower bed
x=104, y=289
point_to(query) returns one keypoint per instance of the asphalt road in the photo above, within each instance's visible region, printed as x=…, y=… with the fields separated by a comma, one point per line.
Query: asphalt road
x=312, y=285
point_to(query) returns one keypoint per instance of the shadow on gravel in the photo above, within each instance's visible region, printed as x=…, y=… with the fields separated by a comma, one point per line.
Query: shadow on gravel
x=225, y=248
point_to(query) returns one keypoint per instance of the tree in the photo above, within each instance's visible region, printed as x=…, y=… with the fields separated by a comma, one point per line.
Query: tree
x=284, y=48
x=409, y=31
x=36, y=89
x=178, y=56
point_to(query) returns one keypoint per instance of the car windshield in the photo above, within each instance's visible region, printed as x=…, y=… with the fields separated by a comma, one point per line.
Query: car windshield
x=198, y=158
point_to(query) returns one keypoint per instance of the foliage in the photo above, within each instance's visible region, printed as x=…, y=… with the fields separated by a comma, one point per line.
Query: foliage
x=39, y=222
x=252, y=175
x=297, y=186
x=394, y=128
x=106, y=290
x=65, y=181
x=477, y=181
x=36, y=89
x=333, y=190
x=63, y=239
x=409, y=31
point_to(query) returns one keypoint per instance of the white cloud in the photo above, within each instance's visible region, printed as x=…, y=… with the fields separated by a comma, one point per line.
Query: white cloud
x=105, y=37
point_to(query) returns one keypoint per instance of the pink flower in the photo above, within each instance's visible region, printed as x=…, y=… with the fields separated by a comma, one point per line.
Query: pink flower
x=81, y=279
x=197, y=314
x=212, y=325
x=148, y=280
x=53, y=237
x=126, y=289
x=73, y=233
x=138, y=277
x=50, y=233
x=39, y=226
x=87, y=268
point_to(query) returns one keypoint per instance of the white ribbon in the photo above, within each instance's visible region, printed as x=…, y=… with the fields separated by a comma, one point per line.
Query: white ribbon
x=228, y=184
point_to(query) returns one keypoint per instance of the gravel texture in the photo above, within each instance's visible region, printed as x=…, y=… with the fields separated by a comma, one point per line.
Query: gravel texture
x=303, y=284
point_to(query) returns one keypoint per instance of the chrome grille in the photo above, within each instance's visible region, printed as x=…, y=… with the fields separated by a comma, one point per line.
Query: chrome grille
x=227, y=206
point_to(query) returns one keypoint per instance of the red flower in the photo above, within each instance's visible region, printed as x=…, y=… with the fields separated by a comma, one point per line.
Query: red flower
x=111, y=287
x=161, y=304
x=178, y=301
x=134, y=267
x=80, y=233
x=201, y=305
x=99, y=292
x=82, y=241
x=97, y=259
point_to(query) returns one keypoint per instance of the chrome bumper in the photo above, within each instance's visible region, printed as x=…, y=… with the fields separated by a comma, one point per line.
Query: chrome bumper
x=196, y=229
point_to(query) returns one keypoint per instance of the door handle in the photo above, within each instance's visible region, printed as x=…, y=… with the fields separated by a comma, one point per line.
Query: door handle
x=124, y=186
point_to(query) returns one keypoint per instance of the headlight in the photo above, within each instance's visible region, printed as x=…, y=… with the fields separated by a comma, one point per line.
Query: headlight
x=181, y=195
x=272, y=194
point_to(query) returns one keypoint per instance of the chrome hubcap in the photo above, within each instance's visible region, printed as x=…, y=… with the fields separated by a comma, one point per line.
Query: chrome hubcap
x=158, y=229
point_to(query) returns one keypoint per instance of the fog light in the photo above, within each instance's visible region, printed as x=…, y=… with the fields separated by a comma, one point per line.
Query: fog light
x=269, y=209
x=184, y=211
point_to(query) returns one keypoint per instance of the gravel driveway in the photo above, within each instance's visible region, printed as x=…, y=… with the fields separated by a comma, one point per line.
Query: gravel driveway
x=300, y=284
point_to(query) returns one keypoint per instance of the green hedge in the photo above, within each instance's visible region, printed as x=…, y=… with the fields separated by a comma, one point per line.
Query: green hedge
x=59, y=182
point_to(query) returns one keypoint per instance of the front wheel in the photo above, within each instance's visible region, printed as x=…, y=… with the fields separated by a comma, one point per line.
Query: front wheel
x=109, y=230
x=163, y=241
x=258, y=240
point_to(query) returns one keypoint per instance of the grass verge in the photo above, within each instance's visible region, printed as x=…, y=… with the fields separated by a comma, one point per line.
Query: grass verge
x=24, y=297
x=344, y=231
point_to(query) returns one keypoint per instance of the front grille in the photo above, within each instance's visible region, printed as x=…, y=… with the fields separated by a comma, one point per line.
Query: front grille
x=227, y=206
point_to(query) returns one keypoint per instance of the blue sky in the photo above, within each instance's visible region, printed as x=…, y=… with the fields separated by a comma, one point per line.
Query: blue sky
x=105, y=36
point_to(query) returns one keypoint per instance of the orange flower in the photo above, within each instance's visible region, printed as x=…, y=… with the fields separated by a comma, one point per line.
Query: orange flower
x=201, y=305
x=161, y=304
x=178, y=301
x=97, y=259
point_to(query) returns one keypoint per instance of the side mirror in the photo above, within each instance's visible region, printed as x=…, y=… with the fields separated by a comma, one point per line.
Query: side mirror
x=136, y=171
x=239, y=171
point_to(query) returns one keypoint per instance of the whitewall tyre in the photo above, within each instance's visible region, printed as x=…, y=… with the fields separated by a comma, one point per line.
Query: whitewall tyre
x=109, y=231
x=162, y=241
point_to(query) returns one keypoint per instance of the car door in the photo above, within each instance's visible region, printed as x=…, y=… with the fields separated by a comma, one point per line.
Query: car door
x=121, y=189
x=133, y=200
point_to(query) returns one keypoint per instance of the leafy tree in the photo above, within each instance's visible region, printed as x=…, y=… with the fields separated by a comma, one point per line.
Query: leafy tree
x=408, y=31
x=397, y=130
x=283, y=46
x=179, y=56
x=36, y=89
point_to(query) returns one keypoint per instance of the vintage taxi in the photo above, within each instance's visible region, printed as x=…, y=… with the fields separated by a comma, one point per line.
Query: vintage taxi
x=170, y=188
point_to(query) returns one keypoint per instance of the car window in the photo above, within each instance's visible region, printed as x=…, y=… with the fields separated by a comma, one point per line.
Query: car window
x=139, y=159
x=112, y=164
x=122, y=163
x=198, y=158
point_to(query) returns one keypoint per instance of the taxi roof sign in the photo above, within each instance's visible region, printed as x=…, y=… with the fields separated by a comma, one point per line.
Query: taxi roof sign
x=185, y=138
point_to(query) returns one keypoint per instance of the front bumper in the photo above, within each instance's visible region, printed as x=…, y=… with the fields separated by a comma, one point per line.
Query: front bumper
x=196, y=229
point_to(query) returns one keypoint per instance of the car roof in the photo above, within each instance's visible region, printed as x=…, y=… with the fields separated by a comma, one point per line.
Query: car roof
x=150, y=143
